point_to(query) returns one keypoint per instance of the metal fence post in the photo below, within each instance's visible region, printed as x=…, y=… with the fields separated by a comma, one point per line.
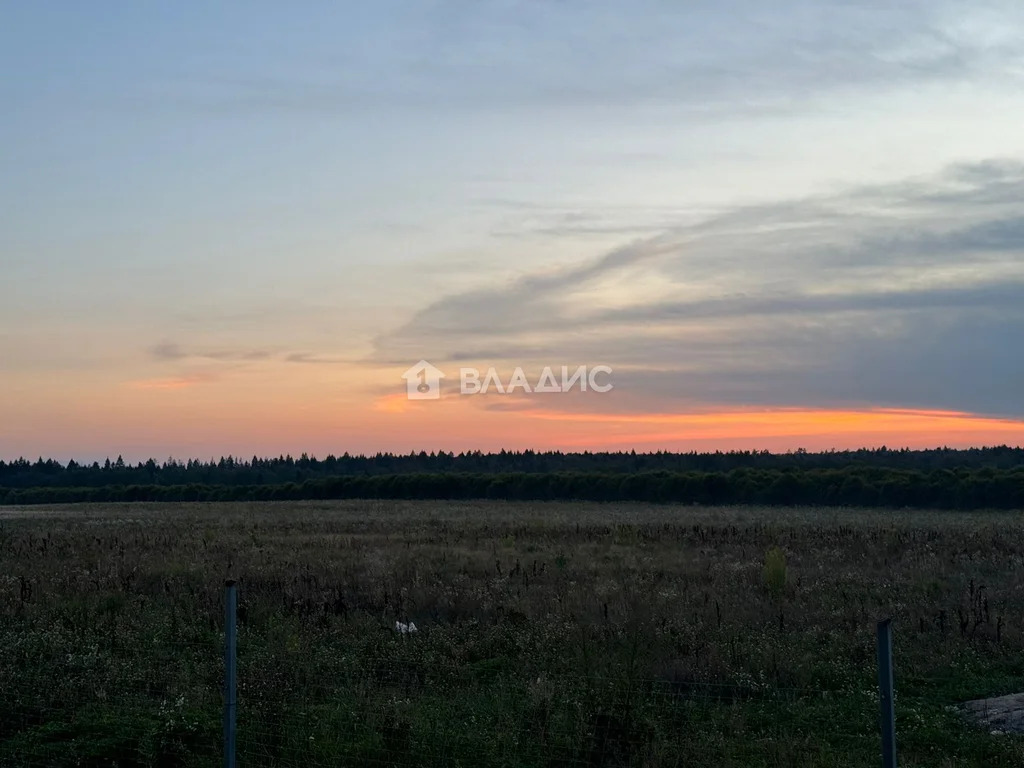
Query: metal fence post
x=230, y=648
x=885, y=693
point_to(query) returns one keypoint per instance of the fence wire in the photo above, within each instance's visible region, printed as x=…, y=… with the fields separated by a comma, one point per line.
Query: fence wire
x=159, y=703
x=156, y=702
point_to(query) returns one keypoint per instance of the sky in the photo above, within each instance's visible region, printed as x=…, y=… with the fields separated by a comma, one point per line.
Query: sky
x=230, y=228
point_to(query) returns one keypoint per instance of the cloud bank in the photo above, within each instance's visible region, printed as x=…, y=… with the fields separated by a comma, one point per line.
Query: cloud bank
x=908, y=295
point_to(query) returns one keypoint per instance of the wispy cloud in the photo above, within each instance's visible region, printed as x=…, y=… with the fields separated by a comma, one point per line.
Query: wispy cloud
x=310, y=358
x=906, y=295
x=175, y=382
x=171, y=351
x=740, y=55
x=168, y=350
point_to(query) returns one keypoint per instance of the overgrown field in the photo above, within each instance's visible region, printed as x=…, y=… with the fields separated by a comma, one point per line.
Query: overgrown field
x=549, y=634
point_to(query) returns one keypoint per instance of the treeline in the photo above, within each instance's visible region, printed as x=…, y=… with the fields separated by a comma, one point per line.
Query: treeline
x=986, y=488
x=235, y=472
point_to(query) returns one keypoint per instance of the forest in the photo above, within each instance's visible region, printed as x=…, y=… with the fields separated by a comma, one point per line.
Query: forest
x=940, y=478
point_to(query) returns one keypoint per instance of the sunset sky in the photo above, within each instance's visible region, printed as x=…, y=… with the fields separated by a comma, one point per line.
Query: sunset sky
x=230, y=228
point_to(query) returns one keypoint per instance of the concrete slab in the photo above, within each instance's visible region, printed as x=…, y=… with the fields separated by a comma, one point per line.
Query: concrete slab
x=1001, y=714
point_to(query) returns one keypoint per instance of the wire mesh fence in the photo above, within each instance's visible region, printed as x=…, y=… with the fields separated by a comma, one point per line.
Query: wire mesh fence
x=157, y=703
x=157, y=699
x=160, y=703
x=403, y=716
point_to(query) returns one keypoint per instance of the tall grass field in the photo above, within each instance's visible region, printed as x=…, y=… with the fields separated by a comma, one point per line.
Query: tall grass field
x=547, y=634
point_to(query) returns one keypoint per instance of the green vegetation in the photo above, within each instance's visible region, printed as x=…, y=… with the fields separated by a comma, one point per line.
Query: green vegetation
x=986, y=478
x=775, y=571
x=231, y=470
x=550, y=634
x=983, y=488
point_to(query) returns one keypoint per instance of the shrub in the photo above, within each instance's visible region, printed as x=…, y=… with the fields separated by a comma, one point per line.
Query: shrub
x=775, y=571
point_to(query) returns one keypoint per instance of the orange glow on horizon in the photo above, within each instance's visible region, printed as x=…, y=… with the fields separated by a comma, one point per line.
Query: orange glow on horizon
x=396, y=403
x=195, y=414
x=782, y=417
x=849, y=428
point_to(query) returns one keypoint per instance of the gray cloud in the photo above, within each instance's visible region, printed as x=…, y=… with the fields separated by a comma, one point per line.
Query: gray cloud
x=907, y=295
x=969, y=362
x=168, y=350
x=1003, y=296
x=528, y=303
x=310, y=358
x=171, y=351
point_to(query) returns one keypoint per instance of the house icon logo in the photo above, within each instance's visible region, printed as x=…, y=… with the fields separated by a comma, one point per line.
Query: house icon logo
x=423, y=381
